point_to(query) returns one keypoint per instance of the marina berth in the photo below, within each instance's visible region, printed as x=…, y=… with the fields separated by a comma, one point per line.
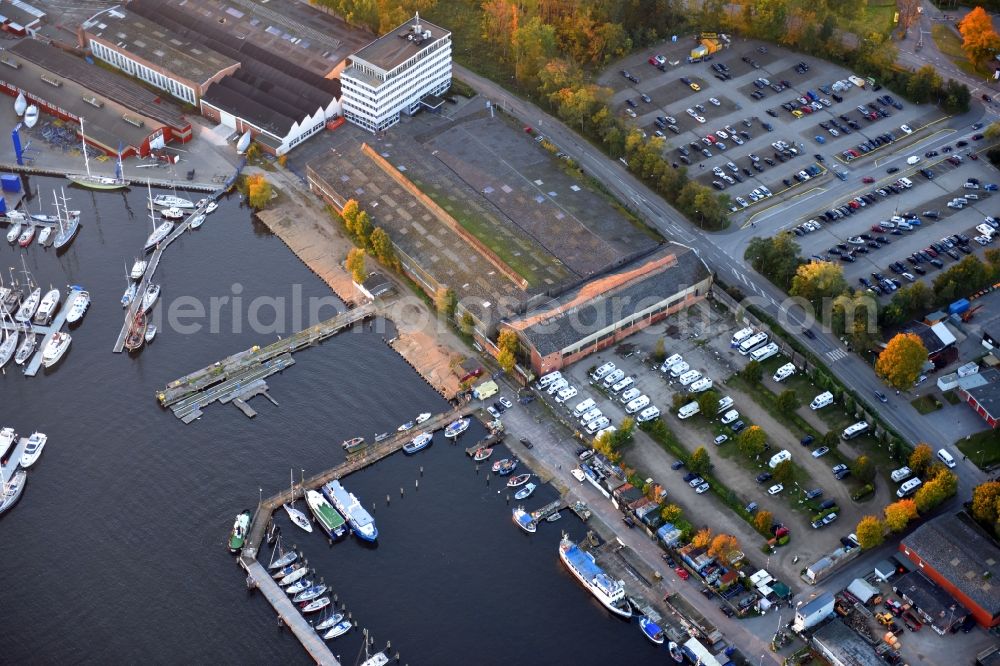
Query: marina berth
x=330, y=521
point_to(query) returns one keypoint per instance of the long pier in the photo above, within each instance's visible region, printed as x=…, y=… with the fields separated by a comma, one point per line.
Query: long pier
x=249, y=364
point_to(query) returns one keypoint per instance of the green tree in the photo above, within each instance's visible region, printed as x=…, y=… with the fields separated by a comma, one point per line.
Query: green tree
x=830, y=439
x=752, y=372
x=783, y=472
x=445, y=301
x=356, y=264
x=817, y=280
x=788, y=401
x=708, y=402
x=968, y=275
x=924, y=84
x=870, y=532
x=863, y=468
x=910, y=301
x=956, y=97
x=992, y=132
x=920, y=460
x=383, y=249
x=751, y=441
x=856, y=316
x=901, y=361
x=467, y=322
x=699, y=462
x=534, y=44
x=776, y=258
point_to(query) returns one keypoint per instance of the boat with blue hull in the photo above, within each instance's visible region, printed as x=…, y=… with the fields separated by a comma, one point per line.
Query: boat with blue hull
x=418, y=443
x=651, y=630
x=456, y=428
x=607, y=590
x=361, y=522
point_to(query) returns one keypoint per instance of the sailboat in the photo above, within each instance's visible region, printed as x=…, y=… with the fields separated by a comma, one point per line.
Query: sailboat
x=10, y=491
x=297, y=516
x=8, y=345
x=31, y=116
x=93, y=181
x=68, y=226
x=136, y=332
x=27, y=348
x=20, y=104
x=138, y=268
x=159, y=232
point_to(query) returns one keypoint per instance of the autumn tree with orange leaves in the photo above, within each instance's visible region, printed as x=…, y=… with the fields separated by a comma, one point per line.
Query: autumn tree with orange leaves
x=979, y=39
x=702, y=538
x=899, y=514
x=901, y=361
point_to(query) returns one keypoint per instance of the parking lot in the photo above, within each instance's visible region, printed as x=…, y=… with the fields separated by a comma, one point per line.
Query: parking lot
x=737, y=112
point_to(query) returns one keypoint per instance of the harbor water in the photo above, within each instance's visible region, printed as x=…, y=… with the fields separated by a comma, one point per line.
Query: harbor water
x=117, y=550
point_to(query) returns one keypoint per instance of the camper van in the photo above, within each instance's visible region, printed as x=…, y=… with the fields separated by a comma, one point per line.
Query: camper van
x=609, y=430
x=602, y=371
x=779, y=457
x=688, y=410
x=678, y=369
x=702, y=384
x=730, y=416
x=557, y=385
x=545, y=380
x=765, y=352
x=648, y=414
x=629, y=395
x=909, y=487
x=565, y=394
x=740, y=336
x=583, y=407
x=724, y=404
x=784, y=372
x=901, y=474
x=598, y=424
x=614, y=377
x=822, y=400
x=628, y=382
x=590, y=416
x=642, y=402
x=852, y=431
x=670, y=362
x=946, y=458
x=689, y=377
x=753, y=342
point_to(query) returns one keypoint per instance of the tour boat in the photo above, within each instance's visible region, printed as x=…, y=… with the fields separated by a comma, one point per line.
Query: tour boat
x=138, y=268
x=197, y=221
x=361, y=522
x=298, y=518
x=47, y=307
x=651, y=631
x=79, y=301
x=581, y=564
x=329, y=520
x=309, y=593
x=338, y=629
x=456, y=428
x=419, y=443
x=211, y=207
x=27, y=348
x=238, y=535
x=518, y=480
x=315, y=605
x=482, y=454
x=525, y=492
x=13, y=233
x=524, y=520
x=55, y=348
x=334, y=619
x=422, y=417
x=33, y=449
x=7, y=439
x=28, y=235
x=171, y=201
x=28, y=306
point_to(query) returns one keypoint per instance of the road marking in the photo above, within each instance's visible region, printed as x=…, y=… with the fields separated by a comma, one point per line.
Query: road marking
x=836, y=354
x=786, y=205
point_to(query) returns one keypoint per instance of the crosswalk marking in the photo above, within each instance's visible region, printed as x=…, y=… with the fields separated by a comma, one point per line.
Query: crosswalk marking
x=836, y=354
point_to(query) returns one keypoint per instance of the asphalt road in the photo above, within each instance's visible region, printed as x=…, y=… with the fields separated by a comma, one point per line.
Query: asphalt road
x=724, y=255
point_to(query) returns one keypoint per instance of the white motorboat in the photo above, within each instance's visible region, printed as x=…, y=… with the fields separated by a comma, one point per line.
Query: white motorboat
x=198, y=221
x=26, y=348
x=7, y=439
x=55, y=348
x=28, y=306
x=422, y=417
x=33, y=449
x=129, y=294
x=8, y=346
x=339, y=629
x=44, y=235
x=79, y=301
x=47, y=307
x=150, y=333
x=149, y=298
x=14, y=232
x=138, y=269
x=31, y=116
x=171, y=201
x=20, y=104
x=172, y=213
x=211, y=207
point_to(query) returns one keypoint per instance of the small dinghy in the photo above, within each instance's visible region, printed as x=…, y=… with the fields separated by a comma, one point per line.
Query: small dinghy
x=675, y=651
x=518, y=480
x=406, y=426
x=336, y=618
x=651, y=631
x=525, y=493
x=507, y=466
x=315, y=605
x=482, y=454
x=554, y=517
x=338, y=629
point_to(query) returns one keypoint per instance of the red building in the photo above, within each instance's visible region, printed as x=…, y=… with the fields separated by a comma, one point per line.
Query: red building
x=957, y=555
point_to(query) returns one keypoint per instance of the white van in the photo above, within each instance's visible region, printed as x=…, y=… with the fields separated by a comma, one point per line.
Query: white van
x=822, y=400
x=566, y=394
x=642, y=402
x=765, y=352
x=901, y=474
x=622, y=385
x=678, y=369
x=905, y=182
x=689, y=377
x=557, y=385
x=545, y=380
x=730, y=416
x=852, y=431
x=584, y=407
x=629, y=395
x=614, y=377
x=986, y=230
x=590, y=416
x=946, y=458
x=688, y=410
x=702, y=384
x=598, y=424
x=603, y=370
x=779, y=457
x=909, y=487
x=724, y=404
x=784, y=372
x=671, y=362
x=648, y=414
x=740, y=336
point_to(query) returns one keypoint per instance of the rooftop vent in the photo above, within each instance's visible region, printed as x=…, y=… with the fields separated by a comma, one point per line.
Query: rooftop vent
x=132, y=121
x=10, y=62
x=93, y=101
x=51, y=80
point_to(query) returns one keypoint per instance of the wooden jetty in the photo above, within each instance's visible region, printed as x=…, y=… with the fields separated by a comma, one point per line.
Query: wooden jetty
x=35, y=362
x=289, y=614
x=249, y=363
x=240, y=385
x=552, y=507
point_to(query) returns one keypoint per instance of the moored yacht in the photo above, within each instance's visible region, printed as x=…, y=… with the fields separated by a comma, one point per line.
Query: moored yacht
x=28, y=235
x=581, y=564
x=33, y=449
x=211, y=207
x=149, y=298
x=78, y=301
x=171, y=201
x=44, y=235
x=95, y=181
x=198, y=220
x=138, y=268
x=7, y=439
x=68, y=224
x=8, y=346
x=28, y=306
x=55, y=348
x=10, y=491
x=13, y=232
x=26, y=348
x=329, y=520
x=47, y=307
x=159, y=233
x=361, y=522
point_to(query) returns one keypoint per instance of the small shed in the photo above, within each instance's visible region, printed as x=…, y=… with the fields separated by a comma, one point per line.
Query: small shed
x=669, y=535
x=375, y=286
x=884, y=570
x=862, y=590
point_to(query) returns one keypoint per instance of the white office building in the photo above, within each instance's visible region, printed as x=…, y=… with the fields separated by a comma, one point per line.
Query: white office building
x=398, y=72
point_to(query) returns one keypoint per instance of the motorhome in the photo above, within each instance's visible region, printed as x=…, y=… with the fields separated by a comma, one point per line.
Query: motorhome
x=753, y=342
x=765, y=352
x=740, y=336
x=640, y=403
x=784, y=372
x=724, y=404
x=603, y=370
x=689, y=377
x=778, y=458
x=702, y=384
x=545, y=380
x=822, y=400
x=688, y=410
x=671, y=362
x=678, y=369
x=583, y=407
x=648, y=414
x=852, y=431
x=622, y=385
